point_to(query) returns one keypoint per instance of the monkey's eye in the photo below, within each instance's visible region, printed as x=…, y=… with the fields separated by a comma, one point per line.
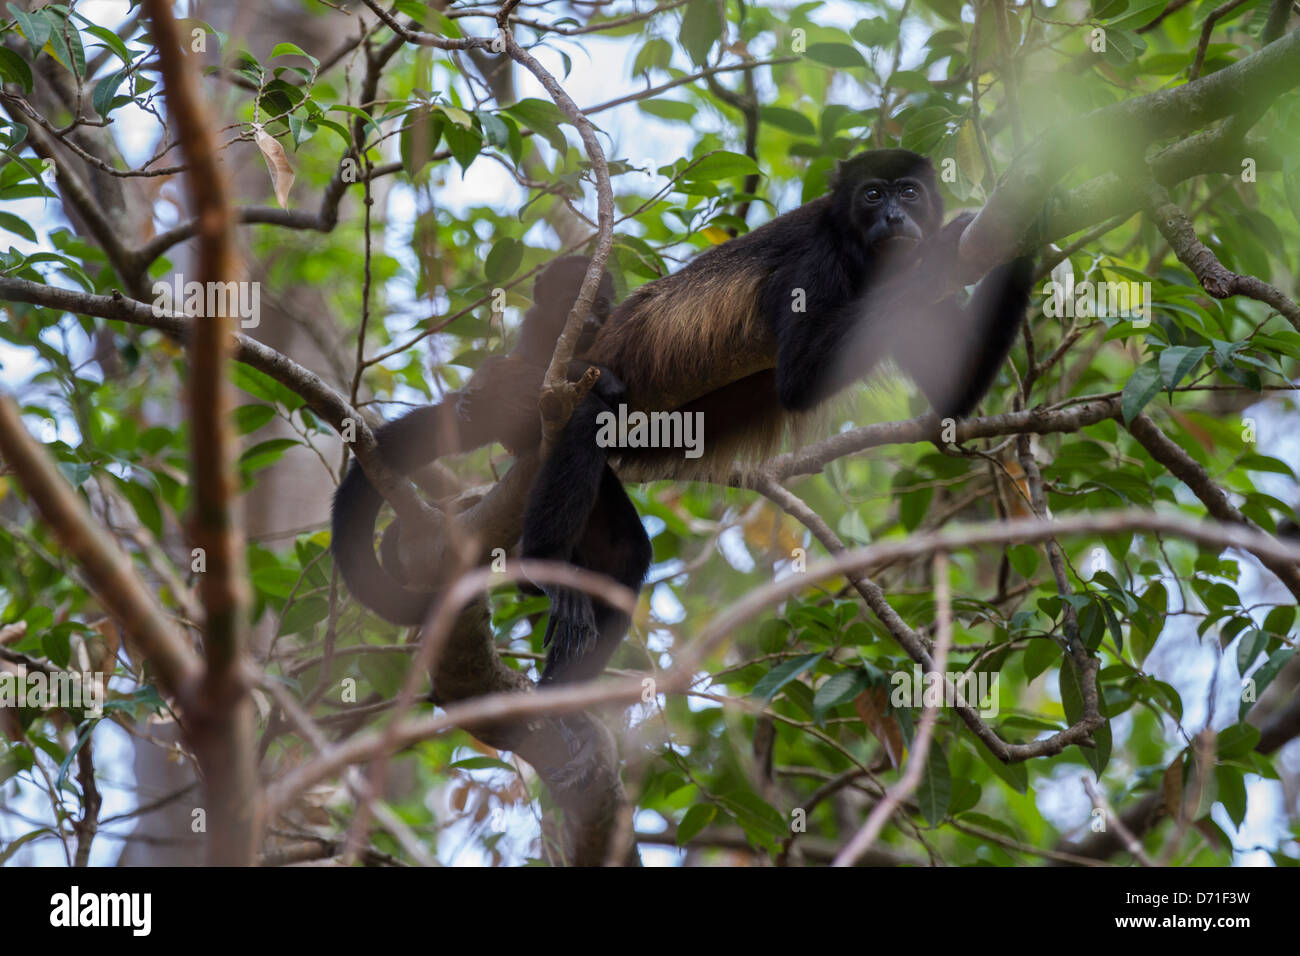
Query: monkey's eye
x=910, y=193
x=873, y=195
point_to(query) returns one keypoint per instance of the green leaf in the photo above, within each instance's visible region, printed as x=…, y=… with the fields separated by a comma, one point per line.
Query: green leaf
x=1279, y=620
x=1230, y=790
x=419, y=139
x=105, y=92
x=792, y=121
x=696, y=819
x=839, y=55
x=1252, y=644
x=701, y=28
x=1041, y=654
x=672, y=110
x=839, y=689
x=292, y=49
x=82, y=737
x=249, y=418
x=144, y=502
x=1098, y=756
x=17, y=224
x=1014, y=775
x=1143, y=638
x=656, y=54
x=935, y=791
x=721, y=164
x=1177, y=360
x=496, y=131
x=367, y=122
x=755, y=814
x=276, y=581
x=57, y=646
x=504, y=259
x=874, y=32
x=260, y=385
x=781, y=675
x=912, y=507
x=73, y=59
x=1143, y=386
x=112, y=41
x=1071, y=689
x=35, y=26
x=544, y=119
x=265, y=454
x=1024, y=559
x=14, y=69
x=1236, y=741
x=14, y=846
x=1106, y=9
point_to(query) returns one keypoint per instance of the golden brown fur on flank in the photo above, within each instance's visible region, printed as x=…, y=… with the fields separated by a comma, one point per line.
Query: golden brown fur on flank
x=669, y=348
x=744, y=425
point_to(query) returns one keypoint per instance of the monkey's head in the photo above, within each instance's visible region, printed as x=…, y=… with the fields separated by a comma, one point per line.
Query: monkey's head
x=887, y=197
x=554, y=291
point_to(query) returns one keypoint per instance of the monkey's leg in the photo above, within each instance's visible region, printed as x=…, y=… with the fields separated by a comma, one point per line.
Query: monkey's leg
x=613, y=543
x=560, y=502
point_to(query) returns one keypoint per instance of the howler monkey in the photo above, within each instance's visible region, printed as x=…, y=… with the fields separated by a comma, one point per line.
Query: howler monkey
x=499, y=403
x=786, y=315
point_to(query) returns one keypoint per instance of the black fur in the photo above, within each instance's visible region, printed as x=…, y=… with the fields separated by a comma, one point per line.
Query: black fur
x=499, y=403
x=882, y=218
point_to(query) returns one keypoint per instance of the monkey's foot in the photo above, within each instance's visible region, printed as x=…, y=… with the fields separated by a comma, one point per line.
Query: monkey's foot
x=571, y=632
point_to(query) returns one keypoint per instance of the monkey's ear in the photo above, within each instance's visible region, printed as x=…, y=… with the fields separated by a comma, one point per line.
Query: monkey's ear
x=845, y=170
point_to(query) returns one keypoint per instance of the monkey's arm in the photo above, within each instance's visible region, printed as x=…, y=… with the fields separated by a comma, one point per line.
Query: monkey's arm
x=954, y=354
x=847, y=320
x=809, y=342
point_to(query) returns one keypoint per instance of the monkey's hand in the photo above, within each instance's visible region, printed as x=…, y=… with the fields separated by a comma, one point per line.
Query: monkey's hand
x=941, y=250
x=609, y=387
x=570, y=632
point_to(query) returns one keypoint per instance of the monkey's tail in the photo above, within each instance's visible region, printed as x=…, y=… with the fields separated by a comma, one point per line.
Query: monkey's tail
x=412, y=441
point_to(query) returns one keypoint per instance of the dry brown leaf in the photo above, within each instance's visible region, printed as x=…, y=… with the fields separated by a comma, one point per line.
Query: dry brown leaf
x=1173, y=788
x=872, y=706
x=278, y=163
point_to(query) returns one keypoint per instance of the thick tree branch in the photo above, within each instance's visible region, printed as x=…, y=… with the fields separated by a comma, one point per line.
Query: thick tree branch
x=1214, y=277
x=109, y=570
x=998, y=230
x=220, y=726
x=1183, y=467
x=511, y=706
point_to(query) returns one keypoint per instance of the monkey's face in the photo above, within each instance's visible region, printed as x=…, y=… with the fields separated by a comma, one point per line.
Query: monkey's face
x=888, y=198
x=892, y=213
